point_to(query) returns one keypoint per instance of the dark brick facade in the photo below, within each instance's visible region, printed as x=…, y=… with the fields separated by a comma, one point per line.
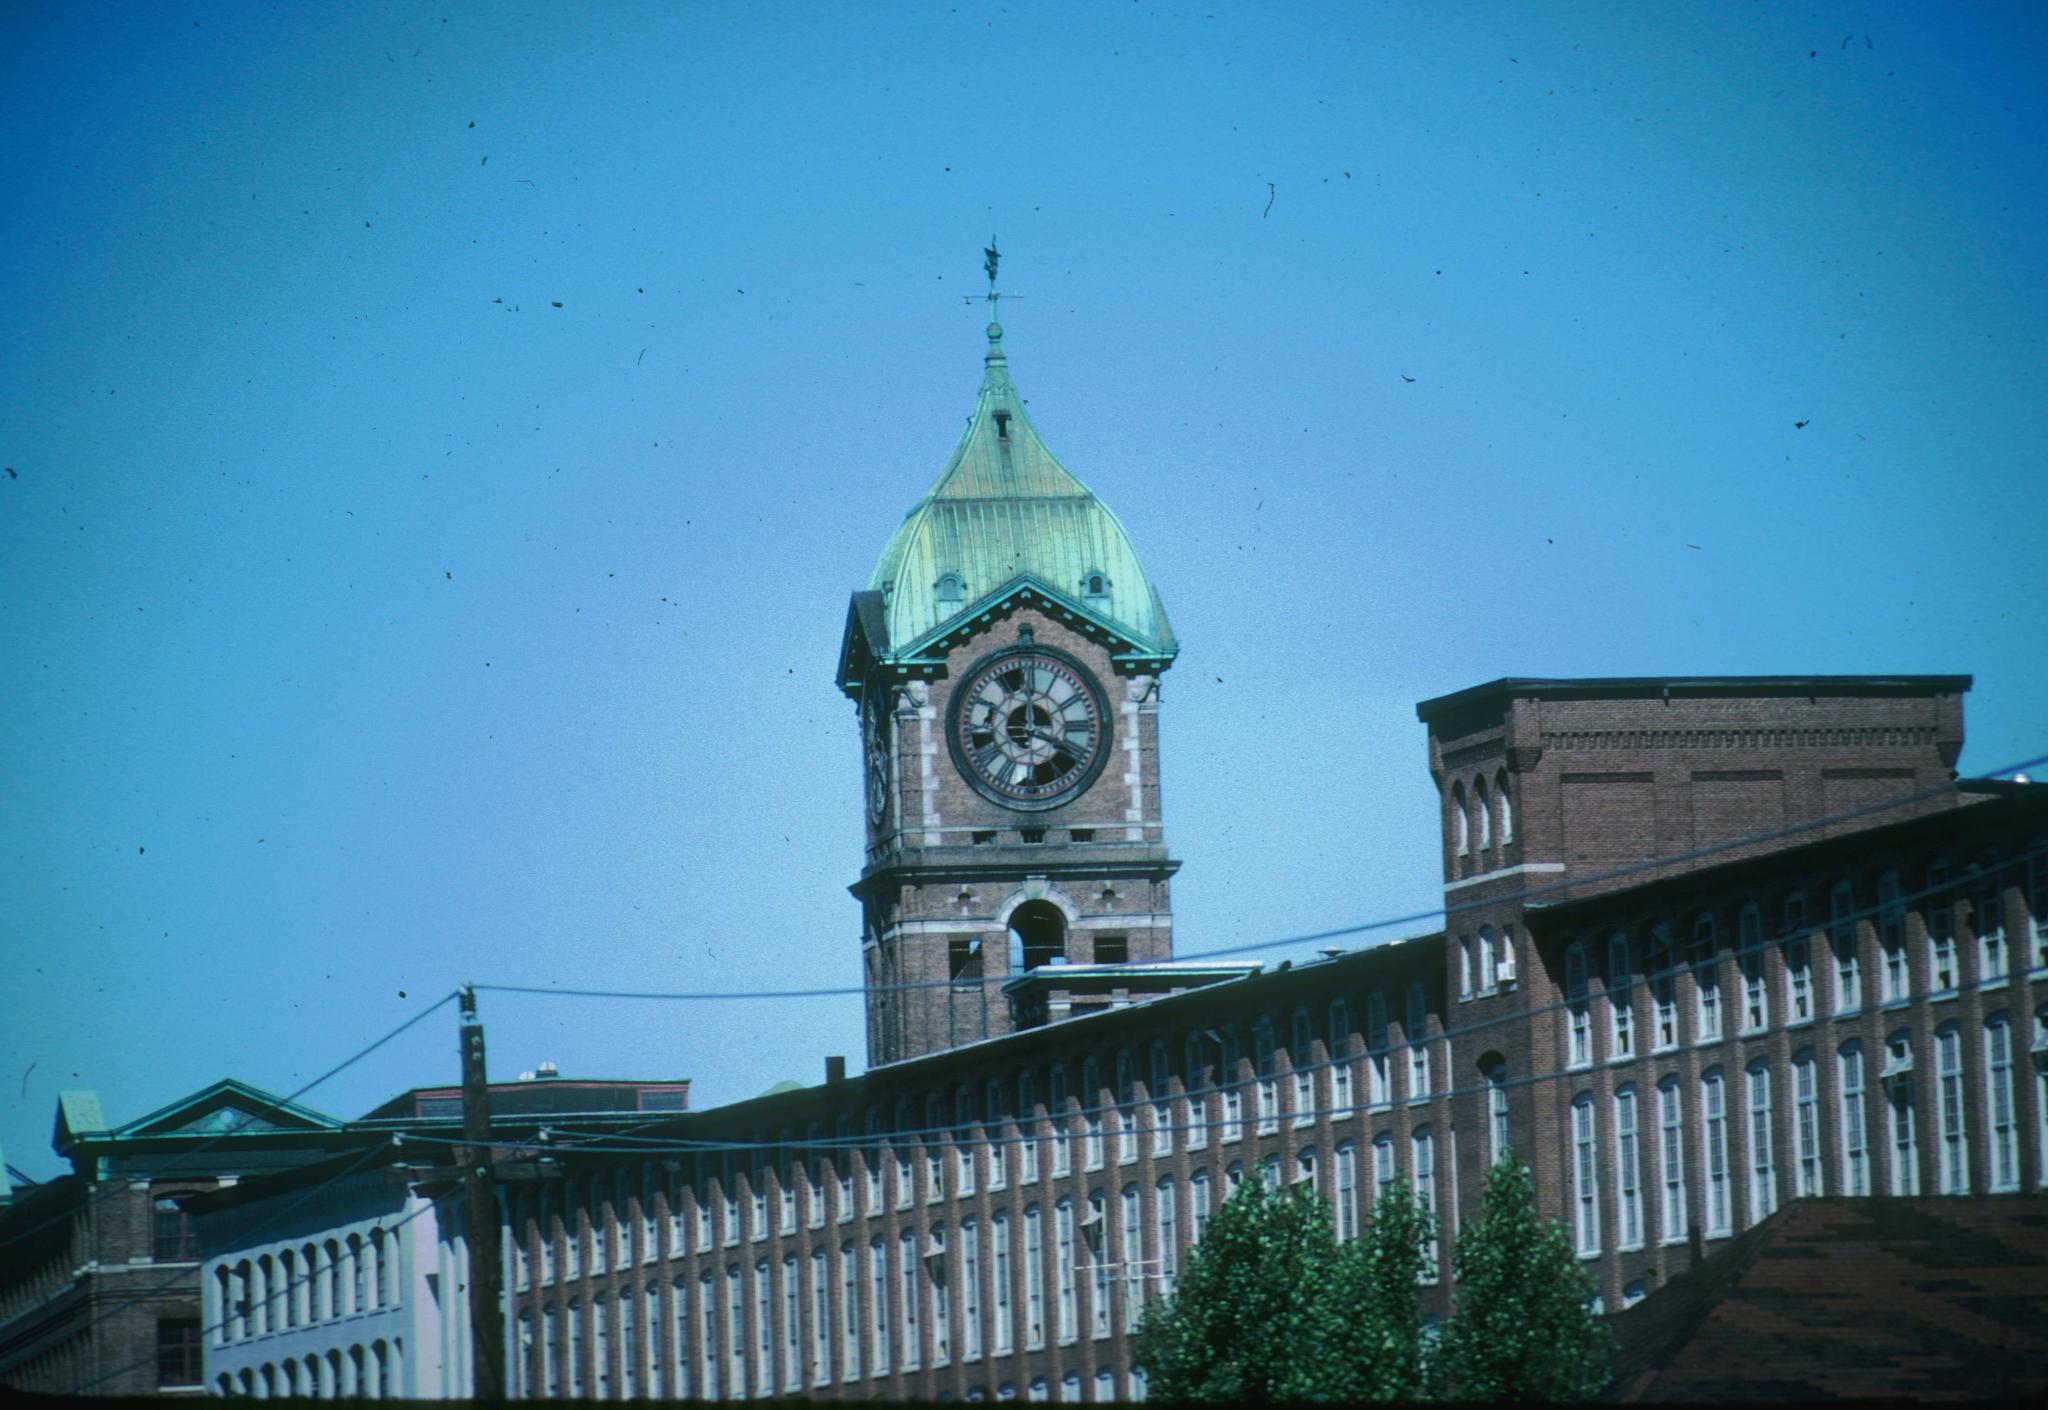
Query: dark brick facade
x=946, y=866
x=740, y=1215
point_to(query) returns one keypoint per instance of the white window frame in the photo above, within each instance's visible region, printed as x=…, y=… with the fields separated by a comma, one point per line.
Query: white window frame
x=1855, y=1133
x=1714, y=1153
x=1952, y=1134
x=1628, y=1184
x=1585, y=1177
x=1671, y=1159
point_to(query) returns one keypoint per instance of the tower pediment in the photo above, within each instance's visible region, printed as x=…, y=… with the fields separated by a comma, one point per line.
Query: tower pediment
x=865, y=643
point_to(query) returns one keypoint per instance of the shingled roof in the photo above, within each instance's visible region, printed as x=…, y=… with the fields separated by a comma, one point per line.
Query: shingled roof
x=1941, y=1299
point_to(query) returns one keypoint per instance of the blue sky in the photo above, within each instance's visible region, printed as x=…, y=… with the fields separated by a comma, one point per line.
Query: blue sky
x=443, y=439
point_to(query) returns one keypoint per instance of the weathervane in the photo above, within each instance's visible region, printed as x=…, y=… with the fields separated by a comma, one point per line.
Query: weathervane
x=990, y=258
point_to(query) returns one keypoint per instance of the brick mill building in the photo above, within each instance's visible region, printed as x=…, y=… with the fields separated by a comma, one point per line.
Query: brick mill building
x=1711, y=946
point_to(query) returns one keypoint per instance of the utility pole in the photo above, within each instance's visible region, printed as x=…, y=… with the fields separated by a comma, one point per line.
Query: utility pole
x=480, y=1214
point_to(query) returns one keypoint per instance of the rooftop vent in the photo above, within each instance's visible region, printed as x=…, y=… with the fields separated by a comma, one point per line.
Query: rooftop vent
x=547, y=1069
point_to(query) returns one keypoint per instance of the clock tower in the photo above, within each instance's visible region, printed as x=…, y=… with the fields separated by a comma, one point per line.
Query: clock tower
x=1005, y=660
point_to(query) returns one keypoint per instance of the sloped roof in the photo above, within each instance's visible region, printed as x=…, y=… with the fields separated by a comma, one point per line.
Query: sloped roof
x=227, y=1107
x=1867, y=1299
x=1003, y=509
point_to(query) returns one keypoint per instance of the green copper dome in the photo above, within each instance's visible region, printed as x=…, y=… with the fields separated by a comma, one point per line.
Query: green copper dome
x=1006, y=509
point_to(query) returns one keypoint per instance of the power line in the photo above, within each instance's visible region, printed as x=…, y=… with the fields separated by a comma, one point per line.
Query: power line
x=1386, y=923
x=131, y=1299
x=176, y=1159
x=1267, y=1124
x=623, y=1143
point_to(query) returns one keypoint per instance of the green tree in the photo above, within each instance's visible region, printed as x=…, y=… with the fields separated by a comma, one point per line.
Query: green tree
x=1250, y=1318
x=1522, y=1326
x=1380, y=1352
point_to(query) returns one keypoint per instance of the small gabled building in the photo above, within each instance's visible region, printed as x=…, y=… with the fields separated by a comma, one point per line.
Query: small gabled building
x=99, y=1269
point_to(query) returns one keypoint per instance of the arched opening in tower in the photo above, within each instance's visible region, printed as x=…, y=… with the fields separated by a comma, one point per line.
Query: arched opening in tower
x=1038, y=936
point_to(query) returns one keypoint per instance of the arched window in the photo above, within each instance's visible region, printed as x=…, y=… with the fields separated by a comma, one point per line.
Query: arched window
x=1663, y=977
x=381, y=1263
x=1714, y=1115
x=1265, y=1064
x=1807, y=1179
x=1094, y=589
x=337, y=1280
x=1939, y=911
x=964, y=1144
x=1416, y=1032
x=1038, y=936
x=948, y=593
x=1763, y=1170
x=1058, y=1115
x=1756, y=1002
x=1505, y=801
x=1301, y=1062
x=1954, y=1163
x=262, y=1297
x=1621, y=998
x=1497, y=1130
x=359, y=1275
x=1987, y=922
x=1585, y=1177
x=1091, y=1112
x=1378, y=1086
x=970, y=1290
x=1842, y=947
x=1901, y=1120
x=1159, y=1088
x=1628, y=1189
x=1382, y=1166
x=1579, y=1052
x=1855, y=1143
x=1422, y=1160
x=1460, y=823
x=223, y=1309
x=1671, y=1159
x=309, y=1272
x=1063, y=1239
x=1798, y=967
x=1126, y=1107
x=2000, y=1121
x=1484, y=809
x=1340, y=1058
x=1706, y=979
x=1891, y=939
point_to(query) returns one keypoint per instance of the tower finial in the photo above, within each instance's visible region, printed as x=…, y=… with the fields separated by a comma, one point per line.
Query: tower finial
x=990, y=258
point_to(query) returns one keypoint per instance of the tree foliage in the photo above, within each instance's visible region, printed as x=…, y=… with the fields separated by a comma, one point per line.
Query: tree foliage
x=1522, y=1326
x=1270, y=1307
x=1249, y=1318
x=1381, y=1354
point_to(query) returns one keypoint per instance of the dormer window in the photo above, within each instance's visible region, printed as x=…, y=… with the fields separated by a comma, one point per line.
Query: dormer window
x=1095, y=589
x=1002, y=425
x=949, y=594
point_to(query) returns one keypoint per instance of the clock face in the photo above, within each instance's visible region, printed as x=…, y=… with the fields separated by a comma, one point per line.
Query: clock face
x=1029, y=727
x=876, y=723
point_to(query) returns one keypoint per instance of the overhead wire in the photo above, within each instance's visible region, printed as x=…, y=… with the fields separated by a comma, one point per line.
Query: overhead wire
x=1521, y=896
x=623, y=1143
x=185, y=1157
x=135, y=1297
x=645, y=1146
